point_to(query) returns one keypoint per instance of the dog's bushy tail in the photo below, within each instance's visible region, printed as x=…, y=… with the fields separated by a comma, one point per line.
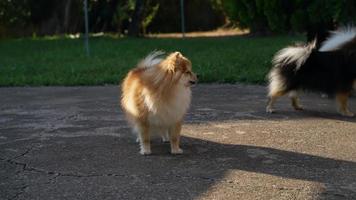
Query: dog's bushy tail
x=293, y=55
x=343, y=38
x=151, y=59
x=289, y=59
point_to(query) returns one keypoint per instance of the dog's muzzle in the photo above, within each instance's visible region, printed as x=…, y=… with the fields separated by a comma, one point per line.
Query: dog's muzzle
x=192, y=82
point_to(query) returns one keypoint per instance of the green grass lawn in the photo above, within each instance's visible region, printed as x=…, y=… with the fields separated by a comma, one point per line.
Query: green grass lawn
x=63, y=62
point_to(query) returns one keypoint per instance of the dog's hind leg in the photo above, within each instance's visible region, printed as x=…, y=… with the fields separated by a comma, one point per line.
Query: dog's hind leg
x=295, y=100
x=164, y=136
x=276, y=88
x=174, y=133
x=136, y=132
x=342, y=99
x=144, y=135
x=272, y=99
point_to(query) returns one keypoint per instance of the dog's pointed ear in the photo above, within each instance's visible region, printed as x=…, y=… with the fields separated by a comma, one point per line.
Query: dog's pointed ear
x=173, y=61
x=177, y=54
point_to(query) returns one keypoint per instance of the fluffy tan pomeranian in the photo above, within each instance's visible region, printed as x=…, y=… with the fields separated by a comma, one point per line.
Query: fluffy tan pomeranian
x=155, y=97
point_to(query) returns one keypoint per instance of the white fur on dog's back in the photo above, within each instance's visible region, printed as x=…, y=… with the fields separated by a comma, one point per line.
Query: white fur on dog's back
x=338, y=39
x=151, y=59
x=293, y=54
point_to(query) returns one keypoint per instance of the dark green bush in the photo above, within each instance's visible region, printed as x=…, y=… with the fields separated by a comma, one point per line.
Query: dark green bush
x=289, y=15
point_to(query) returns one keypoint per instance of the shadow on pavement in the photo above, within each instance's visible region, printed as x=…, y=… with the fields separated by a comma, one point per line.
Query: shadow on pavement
x=73, y=143
x=88, y=167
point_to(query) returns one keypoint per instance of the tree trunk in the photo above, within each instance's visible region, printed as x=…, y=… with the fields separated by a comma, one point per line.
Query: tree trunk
x=67, y=8
x=135, y=25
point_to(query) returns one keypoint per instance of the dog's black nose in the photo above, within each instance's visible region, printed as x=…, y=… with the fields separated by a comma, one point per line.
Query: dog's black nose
x=192, y=82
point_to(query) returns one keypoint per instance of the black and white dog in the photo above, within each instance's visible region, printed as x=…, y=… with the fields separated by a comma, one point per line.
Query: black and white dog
x=331, y=69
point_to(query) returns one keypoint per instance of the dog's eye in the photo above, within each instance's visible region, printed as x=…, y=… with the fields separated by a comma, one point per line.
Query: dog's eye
x=187, y=72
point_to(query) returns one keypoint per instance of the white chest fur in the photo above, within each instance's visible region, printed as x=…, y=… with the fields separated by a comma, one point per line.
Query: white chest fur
x=165, y=112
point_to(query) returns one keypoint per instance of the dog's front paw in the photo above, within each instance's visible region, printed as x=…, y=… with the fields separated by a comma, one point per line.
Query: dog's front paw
x=347, y=114
x=270, y=110
x=165, y=138
x=299, y=108
x=177, y=151
x=145, y=152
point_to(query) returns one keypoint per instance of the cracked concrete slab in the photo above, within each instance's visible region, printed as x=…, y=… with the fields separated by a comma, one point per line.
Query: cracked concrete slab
x=73, y=143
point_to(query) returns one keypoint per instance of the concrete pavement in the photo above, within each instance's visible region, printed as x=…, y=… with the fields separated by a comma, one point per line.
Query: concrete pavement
x=73, y=143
